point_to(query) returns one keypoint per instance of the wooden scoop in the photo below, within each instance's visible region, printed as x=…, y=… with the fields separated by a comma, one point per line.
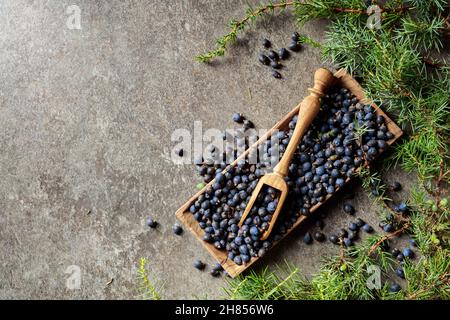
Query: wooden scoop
x=308, y=110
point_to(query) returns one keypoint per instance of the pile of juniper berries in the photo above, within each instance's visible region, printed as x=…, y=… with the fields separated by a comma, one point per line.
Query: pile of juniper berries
x=326, y=157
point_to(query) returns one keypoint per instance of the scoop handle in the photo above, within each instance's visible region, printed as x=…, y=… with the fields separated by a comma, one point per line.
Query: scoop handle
x=308, y=110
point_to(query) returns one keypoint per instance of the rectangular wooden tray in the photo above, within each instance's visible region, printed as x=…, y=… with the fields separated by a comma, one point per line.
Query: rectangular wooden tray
x=343, y=79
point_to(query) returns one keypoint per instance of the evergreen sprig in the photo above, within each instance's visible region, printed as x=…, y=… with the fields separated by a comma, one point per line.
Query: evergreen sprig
x=237, y=26
x=147, y=288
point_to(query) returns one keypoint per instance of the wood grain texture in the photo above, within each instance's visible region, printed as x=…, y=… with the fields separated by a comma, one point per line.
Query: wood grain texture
x=342, y=78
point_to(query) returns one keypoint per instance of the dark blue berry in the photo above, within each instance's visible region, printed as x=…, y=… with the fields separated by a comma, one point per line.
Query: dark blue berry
x=353, y=226
x=271, y=207
x=243, y=249
x=348, y=242
x=367, y=228
x=264, y=59
x=340, y=182
x=319, y=236
x=295, y=37
x=266, y=43
x=254, y=231
x=294, y=46
x=283, y=53
x=245, y=258
x=395, y=287
x=348, y=208
x=335, y=173
x=402, y=207
x=388, y=228
x=215, y=273
x=399, y=272
x=276, y=74
x=275, y=65
x=333, y=239
x=330, y=189
x=408, y=253
x=372, y=151
x=307, y=238
x=360, y=222
x=176, y=228
x=237, y=117
x=217, y=266
x=199, y=265
x=273, y=55
x=152, y=223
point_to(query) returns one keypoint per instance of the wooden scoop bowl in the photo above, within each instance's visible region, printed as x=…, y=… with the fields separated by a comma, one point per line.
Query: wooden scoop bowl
x=308, y=110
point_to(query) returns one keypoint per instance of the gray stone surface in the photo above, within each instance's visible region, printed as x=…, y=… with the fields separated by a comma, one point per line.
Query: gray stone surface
x=86, y=118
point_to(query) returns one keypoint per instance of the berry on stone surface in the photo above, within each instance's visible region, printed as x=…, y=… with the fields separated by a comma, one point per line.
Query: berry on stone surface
x=176, y=228
x=276, y=74
x=348, y=242
x=198, y=264
x=275, y=65
x=353, y=235
x=238, y=260
x=348, y=208
x=307, y=238
x=399, y=272
x=353, y=226
x=395, y=287
x=294, y=46
x=402, y=207
x=237, y=117
x=264, y=59
x=215, y=273
x=388, y=228
x=408, y=253
x=333, y=239
x=367, y=228
x=283, y=53
x=151, y=223
x=360, y=222
x=319, y=236
x=273, y=55
x=266, y=43
x=179, y=152
x=217, y=266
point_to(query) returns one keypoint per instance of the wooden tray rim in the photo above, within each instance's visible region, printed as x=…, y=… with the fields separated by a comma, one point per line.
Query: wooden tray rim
x=183, y=214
